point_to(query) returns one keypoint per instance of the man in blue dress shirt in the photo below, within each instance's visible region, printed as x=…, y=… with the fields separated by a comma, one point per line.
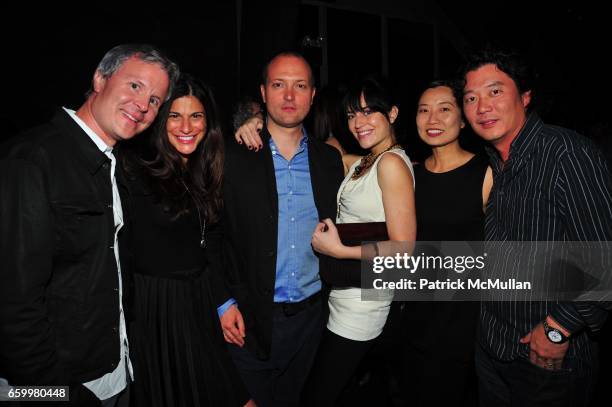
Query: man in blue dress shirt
x=270, y=305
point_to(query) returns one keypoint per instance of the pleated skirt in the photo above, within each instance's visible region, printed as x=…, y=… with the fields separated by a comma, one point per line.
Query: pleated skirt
x=176, y=346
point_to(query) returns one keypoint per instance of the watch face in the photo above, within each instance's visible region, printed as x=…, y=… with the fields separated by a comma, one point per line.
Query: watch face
x=555, y=336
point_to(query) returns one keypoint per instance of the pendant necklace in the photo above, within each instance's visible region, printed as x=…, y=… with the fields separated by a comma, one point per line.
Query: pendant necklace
x=201, y=221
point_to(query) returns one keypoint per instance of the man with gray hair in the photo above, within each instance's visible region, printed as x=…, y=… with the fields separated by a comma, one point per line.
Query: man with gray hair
x=61, y=224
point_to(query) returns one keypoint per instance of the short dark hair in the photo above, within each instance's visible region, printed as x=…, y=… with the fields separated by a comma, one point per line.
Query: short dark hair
x=510, y=62
x=290, y=53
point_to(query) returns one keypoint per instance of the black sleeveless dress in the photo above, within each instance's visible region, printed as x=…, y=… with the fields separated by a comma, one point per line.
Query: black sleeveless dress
x=449, y=204
x=176, y=345
x=439, y=337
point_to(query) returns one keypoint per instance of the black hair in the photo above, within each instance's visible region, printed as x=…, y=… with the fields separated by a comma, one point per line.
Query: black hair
x=510, y=62
x=376, y=93
x=453, y=85
x=327, y=116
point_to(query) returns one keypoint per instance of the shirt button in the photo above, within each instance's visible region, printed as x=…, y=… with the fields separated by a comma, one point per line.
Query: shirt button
x=115, y=329
x=273, y=152
x=293, y=246
x=292, y=219
x=289, y=167
x=293, y=274
x=290, y=192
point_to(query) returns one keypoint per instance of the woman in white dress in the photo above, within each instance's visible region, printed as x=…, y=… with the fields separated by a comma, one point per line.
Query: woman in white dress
x=378, y=190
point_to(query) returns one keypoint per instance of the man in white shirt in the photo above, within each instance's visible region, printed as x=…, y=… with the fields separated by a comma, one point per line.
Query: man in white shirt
x=62, y=295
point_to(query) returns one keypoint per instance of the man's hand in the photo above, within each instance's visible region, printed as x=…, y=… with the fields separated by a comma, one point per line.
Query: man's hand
x=248, y=133
x=232, y=325
x=543, y=352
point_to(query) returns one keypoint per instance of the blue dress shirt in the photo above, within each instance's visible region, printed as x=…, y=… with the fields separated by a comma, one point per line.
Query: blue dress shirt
x=297, y=267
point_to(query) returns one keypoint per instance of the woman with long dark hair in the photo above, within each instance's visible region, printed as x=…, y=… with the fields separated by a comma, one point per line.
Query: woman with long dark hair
x=176, y=344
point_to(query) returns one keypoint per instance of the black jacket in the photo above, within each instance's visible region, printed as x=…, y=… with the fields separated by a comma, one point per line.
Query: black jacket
x=250, y=228
x=59, y=306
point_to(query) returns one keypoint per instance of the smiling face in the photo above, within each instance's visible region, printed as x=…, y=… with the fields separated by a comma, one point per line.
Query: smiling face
x=126, y=103
x=493, y=105
x=372, y=130
x=438, y=117
x=186, y=125
x=288, y=91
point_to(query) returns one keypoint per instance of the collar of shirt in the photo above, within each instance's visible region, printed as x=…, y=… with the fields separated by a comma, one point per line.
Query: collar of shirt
x=521, y=146
x=301, y=144
x=102, y=146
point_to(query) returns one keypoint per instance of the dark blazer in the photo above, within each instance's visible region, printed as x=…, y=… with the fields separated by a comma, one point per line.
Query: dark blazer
x=250, y=228
x=59, y=305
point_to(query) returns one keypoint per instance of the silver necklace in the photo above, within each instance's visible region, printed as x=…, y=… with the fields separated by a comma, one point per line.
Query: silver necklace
x=202, y=222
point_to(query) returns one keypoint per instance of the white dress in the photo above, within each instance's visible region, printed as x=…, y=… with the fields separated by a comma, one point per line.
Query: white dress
x=360, y=201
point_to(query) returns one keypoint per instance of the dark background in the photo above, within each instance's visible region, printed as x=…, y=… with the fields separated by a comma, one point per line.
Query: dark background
x=49, y=55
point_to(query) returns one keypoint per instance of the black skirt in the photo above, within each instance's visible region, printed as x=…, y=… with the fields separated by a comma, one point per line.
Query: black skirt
x=176, y=345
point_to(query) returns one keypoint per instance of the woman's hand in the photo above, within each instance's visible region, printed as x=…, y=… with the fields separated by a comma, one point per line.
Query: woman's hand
x=326, y=240
x=248, y=133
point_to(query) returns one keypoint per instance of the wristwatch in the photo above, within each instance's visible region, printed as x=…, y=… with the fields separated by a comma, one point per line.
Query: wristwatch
x=554, y=335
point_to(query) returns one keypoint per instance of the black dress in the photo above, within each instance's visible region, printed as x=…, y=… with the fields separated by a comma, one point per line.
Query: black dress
x=176, y=344
x=449, y=204
x=439, y=337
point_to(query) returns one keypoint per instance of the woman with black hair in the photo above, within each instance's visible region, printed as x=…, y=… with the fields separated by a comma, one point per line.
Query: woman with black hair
x=453, y=186
x=378, y=190
x=177, y=347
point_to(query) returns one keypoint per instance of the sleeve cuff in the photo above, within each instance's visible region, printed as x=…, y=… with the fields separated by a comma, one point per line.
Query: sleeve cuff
x=222, y=308
x=566, y=315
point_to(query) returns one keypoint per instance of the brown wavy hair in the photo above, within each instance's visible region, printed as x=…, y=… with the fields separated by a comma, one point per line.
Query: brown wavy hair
x=203, y=172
